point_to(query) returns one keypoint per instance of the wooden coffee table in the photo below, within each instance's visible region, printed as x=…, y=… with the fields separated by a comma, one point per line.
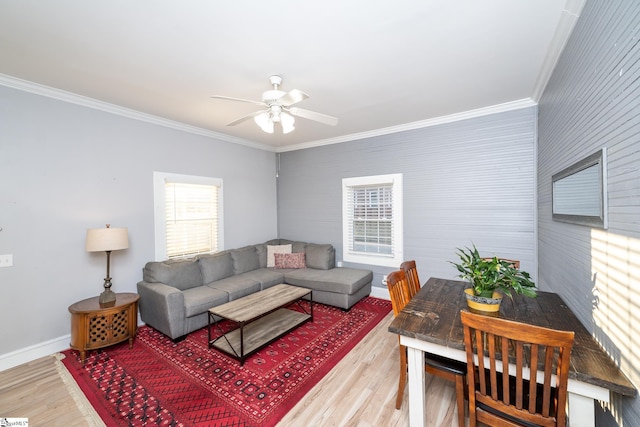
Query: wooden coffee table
x=261, y=318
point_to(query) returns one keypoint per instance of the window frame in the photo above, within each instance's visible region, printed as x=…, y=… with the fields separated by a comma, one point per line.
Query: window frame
x=160, y=224
x=595, y=189
x=396, y=258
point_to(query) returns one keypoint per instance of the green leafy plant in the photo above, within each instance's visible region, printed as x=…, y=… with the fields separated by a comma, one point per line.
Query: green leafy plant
x=490, y=274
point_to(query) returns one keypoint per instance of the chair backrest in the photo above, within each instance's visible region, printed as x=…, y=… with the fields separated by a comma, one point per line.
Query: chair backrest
x=536, y=352
x=411, y=273
x=398, y=290
x=514, y=262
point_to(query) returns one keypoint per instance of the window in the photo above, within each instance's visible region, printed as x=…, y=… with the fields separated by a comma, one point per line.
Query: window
x=188, y=215
x=579, y=192
x=372, y=220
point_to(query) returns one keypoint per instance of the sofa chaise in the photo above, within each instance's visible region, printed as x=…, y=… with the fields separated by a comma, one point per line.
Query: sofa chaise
x=175, y=295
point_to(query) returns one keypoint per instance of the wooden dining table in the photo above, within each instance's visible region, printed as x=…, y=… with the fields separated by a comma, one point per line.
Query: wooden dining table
x=430, y=322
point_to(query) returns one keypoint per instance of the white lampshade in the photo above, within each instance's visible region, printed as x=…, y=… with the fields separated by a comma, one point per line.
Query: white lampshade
x=264, y=121
x=275, y=114
x=106, y=239
x=287, y=121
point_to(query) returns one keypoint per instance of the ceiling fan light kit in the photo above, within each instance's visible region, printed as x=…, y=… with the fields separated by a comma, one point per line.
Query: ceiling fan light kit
x=276, y=103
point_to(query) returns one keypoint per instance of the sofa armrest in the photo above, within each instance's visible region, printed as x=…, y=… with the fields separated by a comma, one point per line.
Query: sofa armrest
x=162, y=307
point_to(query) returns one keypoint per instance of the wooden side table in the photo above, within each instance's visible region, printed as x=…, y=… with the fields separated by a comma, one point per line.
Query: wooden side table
x=94, y=327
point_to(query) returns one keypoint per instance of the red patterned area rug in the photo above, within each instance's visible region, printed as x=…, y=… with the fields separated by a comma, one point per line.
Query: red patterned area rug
x=160, y=382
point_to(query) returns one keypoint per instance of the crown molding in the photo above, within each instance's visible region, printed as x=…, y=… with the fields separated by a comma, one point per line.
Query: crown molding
x=499, y=108
x=84, y=101
x=568, y=20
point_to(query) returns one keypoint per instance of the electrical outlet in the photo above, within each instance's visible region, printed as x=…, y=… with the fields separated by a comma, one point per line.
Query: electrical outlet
x=6, y=260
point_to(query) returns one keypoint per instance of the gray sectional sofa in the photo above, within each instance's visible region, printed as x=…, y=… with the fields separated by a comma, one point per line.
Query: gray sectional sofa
x=175, y=295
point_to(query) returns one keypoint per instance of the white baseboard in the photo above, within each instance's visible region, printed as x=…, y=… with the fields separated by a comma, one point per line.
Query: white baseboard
x=27, y=354
x=379, y=292
x=36, y=351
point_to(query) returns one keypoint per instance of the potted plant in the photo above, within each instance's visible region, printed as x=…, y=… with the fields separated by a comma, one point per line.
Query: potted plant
x=491, y=277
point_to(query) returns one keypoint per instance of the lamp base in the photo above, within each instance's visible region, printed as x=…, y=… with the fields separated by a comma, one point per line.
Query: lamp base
x=107, y=298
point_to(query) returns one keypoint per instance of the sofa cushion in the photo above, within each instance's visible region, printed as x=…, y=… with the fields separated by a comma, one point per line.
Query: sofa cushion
x=339, y=280
x=181, y=274
x=261, y=250
x=244, y=259
x=201, y=298
x=320, y=256
x=273, y=249
x=295, y=245
x=266, y=276
x=237, y=286
x=295, y=260
x=298, y=247
x=216, y=266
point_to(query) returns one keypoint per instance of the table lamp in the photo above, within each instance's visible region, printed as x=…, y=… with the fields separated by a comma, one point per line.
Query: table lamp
x=107, y=239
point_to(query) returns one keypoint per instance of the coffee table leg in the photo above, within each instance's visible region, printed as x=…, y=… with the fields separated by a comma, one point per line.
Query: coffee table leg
x=242, y=344
x=209, y=330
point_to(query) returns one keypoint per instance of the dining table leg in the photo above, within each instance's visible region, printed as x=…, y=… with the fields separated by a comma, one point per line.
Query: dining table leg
x=416, y=379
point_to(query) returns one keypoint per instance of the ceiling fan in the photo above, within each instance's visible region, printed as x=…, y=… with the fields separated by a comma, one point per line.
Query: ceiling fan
x=278, y=109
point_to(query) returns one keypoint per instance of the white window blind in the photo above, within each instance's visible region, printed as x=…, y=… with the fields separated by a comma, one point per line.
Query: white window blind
x=191, y=219
x=188, y=215
x=372, y=219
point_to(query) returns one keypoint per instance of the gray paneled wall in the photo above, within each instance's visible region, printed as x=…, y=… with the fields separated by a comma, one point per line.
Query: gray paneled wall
x=467, y=181
x=593, y=101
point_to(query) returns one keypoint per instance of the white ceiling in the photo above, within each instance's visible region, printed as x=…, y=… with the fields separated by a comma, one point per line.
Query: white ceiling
x=379, y=66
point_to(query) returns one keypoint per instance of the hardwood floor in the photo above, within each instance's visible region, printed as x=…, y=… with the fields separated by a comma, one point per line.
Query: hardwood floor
x=360, y=391
x=45, y=393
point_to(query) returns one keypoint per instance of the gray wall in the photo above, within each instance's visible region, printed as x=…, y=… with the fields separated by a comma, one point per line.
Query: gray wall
x=470, y=181
x=592, y=101
x=65, y=168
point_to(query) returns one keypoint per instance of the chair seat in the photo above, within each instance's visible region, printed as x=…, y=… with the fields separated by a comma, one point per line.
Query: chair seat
x=512, y=393
x=497, y=413
x=448, y=365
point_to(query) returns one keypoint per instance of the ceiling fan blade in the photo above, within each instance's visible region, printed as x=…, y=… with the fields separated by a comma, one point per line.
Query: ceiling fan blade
x=312, y=115
x=292, y=97
x=228, y=98
x=245, y=118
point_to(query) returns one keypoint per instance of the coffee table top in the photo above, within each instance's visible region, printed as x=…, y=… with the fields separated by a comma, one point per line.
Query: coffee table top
x=255, y=305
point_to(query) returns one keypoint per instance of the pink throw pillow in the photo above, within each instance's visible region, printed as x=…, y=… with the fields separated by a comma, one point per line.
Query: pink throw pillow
x=294, y=260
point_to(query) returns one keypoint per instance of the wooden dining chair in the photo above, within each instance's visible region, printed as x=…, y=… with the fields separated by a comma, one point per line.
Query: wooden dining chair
x=451, y=370
x=411, y=273
x=534, y=352
x=514, y=262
